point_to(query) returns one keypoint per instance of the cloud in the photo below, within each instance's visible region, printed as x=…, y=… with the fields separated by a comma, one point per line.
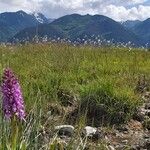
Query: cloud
x=121, y=13
x=14, y=2
x=135, y=1
x=116, y=9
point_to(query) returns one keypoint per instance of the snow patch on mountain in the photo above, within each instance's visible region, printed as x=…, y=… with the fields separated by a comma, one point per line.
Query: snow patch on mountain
x=38, y=17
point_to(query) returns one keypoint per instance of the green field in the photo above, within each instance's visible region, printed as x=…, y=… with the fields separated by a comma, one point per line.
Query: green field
x=95, y=76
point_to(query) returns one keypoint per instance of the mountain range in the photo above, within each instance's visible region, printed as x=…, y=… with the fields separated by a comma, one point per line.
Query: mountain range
x=13, y=22
x=22, y=26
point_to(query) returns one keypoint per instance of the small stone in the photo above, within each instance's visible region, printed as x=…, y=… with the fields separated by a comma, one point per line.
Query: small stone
x=92, y=133
x=125, y=132
x=107, y=139
x=65, y=130
x=143, y=111
x=89, y=131
x=110, y=147
x=119, y=135
x=125, y=142
x=120, y=147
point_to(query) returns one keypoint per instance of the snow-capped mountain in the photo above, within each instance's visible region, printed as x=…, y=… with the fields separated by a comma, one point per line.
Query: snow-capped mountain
x=40, y=17
x=13, y=22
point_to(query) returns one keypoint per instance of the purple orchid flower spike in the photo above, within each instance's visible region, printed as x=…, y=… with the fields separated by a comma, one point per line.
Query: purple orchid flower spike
x=13, y=104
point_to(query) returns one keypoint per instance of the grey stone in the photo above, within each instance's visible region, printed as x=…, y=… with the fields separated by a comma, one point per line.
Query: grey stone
x=65, y=130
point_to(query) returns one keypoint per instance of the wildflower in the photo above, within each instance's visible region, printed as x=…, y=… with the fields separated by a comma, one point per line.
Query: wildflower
x=13, y=104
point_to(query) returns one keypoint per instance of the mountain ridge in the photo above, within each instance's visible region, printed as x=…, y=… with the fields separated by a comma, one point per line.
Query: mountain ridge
x=142, y=29
x=21, y=26
x=76, y=26
x=13, y=22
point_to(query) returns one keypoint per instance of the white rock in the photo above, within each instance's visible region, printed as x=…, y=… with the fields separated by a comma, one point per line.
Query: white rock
x=89, y=131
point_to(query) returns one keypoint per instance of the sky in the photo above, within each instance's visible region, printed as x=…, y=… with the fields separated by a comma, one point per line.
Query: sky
x=119, y=10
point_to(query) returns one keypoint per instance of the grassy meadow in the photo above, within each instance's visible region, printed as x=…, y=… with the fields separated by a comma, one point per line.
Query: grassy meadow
x=90, y=76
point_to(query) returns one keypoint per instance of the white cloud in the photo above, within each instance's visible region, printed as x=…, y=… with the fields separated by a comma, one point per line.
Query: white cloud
x=116, y=9
x=134, y=1
x=121, y=13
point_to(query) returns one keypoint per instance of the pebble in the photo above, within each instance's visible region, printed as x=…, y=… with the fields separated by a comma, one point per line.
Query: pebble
x=65, y=130
x=92, y=133
x=125, y=142
x=110, y=147
x=89, y=131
